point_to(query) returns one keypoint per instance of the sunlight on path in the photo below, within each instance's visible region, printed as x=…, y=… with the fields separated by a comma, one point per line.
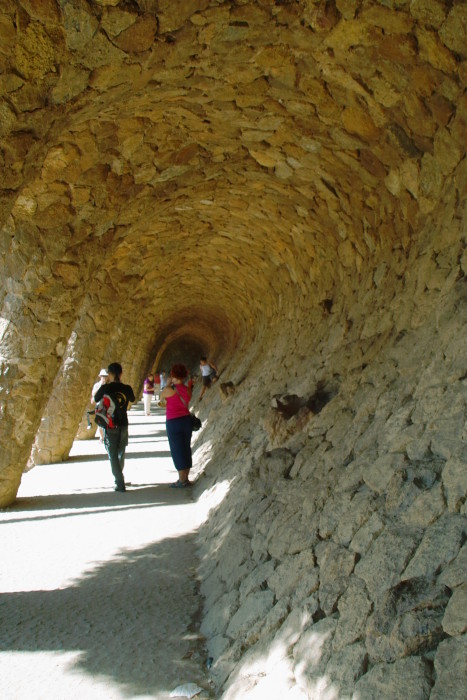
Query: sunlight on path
x=97, y=587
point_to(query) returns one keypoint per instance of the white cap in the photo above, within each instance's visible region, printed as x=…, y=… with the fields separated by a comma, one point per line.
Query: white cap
x=103, y=373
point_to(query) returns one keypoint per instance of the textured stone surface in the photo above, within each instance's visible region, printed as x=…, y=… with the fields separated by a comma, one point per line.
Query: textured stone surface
x=451, y=669
x=455, y=618
x=455, y=482
x=255, y=607
x=405, y=678
x=386, y=560
x=409, y=620
x=280, y=186
x=354, y=607
x=439, y=546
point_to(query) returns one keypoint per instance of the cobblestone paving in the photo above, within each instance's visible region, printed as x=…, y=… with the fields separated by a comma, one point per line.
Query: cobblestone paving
x=98, y=595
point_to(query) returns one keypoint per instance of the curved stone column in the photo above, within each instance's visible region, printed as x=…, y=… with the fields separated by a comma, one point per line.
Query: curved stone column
x=64, y=415
x=136, y=358
x=70, y=394
x=37, y=316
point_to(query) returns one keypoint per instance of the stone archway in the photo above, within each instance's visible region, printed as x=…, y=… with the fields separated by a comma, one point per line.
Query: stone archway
x=281, y=184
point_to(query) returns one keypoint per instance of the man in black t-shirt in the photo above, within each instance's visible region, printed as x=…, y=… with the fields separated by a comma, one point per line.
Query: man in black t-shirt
x=116, y=438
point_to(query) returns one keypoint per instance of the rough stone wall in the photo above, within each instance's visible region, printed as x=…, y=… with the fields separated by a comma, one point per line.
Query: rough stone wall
x=283, y=185
x=333, y=565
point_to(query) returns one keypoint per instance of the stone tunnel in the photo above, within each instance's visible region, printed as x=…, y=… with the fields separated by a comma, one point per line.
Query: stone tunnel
x=280, y=185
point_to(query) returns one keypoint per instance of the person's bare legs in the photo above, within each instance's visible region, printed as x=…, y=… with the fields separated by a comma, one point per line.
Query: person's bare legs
x=183, y=475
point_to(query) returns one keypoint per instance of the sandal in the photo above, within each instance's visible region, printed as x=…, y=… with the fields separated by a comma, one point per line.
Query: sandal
x=180, y=484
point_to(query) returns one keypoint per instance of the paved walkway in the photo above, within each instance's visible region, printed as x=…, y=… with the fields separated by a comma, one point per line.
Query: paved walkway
x=98, y=594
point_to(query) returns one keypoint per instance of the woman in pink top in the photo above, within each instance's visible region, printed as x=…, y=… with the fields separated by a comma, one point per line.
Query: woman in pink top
x=178, y=422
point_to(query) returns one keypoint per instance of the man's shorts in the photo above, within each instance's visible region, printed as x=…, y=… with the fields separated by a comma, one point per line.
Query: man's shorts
x=207, y=380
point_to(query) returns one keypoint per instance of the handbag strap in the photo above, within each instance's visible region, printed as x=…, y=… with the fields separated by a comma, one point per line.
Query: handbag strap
x=181, y=398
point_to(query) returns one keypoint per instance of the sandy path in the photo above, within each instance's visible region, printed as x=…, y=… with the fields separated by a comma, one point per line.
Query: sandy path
x=98, y=594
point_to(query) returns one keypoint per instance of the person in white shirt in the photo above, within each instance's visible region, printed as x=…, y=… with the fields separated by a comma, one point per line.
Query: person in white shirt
x=102, y=379
x=209, y=374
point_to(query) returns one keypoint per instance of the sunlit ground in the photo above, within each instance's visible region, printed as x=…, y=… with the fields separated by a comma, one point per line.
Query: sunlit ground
x=97, y=587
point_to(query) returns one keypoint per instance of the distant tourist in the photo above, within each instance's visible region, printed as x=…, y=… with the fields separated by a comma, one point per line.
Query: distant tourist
x=103, y=378
x=157, y=386
x=116, y=437
x=209, y=374
x=176, y=397
x=148, y=393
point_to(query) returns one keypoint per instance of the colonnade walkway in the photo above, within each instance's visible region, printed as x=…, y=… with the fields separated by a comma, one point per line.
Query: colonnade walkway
x=98, y=596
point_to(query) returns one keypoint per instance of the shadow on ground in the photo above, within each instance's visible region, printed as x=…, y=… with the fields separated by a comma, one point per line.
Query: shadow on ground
x=131, y=619
x=137, y=496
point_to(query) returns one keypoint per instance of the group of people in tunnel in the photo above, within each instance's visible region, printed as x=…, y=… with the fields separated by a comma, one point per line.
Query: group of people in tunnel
x=175, y=393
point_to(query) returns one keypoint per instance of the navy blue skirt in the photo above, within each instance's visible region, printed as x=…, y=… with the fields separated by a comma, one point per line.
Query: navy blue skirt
x=179, y=436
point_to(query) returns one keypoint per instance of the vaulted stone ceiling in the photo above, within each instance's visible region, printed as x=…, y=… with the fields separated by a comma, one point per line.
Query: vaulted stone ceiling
x=181, y=171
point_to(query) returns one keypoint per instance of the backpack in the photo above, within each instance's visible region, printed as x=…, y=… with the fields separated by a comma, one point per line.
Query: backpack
x=105, y=410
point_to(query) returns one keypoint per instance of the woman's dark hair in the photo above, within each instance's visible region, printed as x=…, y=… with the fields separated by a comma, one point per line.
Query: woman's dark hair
x=179, y=372
x=115, y=368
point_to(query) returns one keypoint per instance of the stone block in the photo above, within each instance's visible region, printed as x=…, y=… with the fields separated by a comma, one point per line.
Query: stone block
x=289, y=535
x=455, y=572
x=400, y=494
x=138, y=37
x=312, y=652
x=212, y=588
x=425, y=509
x=332, y=513
x=216, y=646
x=445, y=435
x=335, y=566
x=418, y=448
x=354, y=607
x=339, y=431
x=298, y=620
x=360, y=509
x=226, y=663
x=381, y=567
x=367, y=534
x=218, y=617
x=455, y=483
x=312, y=466
x=439, y=546
x=451, y=670
x=263, y=524
x=257, y=579
x=252, y=609
x=455, y=618
x=452, y=32
x=428, y=12
x=398, y=435
x=274, y=465
x=407, y=621
x=368, y=440
x=345, y=667
x=308, y=585
x=377, y=474
x=406, y=678
x=295, y=570
x=269, y=624
x=236, y=552
x=352, y=477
